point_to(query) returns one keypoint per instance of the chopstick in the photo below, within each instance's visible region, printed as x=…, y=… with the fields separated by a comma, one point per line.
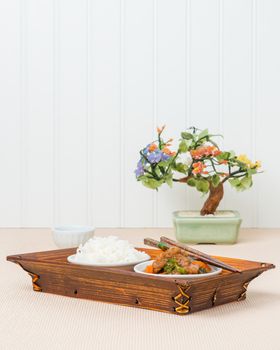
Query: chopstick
x=199, y=255
x=156, y=244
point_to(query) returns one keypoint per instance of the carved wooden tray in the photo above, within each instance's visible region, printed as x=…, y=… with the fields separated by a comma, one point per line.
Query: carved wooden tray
x=51, y=273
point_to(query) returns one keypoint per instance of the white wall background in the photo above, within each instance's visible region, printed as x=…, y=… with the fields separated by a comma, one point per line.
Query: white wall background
x=84, y=83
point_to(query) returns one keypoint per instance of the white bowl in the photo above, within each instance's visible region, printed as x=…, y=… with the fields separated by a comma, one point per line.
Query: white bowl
x=71, y=236
x=140, y=268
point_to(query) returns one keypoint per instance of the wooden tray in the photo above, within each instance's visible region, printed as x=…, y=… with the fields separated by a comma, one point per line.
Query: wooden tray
x=51, y=273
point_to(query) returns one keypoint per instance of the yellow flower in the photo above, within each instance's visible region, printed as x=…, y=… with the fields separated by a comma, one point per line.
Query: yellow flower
x=244, y=159
x=258, y=164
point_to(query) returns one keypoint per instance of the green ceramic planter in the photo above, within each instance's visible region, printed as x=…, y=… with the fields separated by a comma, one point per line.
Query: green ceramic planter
x=190, y=227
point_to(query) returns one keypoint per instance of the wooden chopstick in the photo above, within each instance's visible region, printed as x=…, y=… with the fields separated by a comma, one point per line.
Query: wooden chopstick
x=156, y=244
x=199, y=255
x=164, y=246
x=167, y=243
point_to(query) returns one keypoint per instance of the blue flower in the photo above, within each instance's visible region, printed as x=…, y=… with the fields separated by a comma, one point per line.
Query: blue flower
x=164, y=156
x=140, y=169
x=146, y=149
x=155, y=157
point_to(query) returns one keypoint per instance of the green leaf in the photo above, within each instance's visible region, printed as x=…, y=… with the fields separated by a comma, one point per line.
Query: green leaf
x=215, y=180
x=162, y=170
x=252, y=171
x=151, y=183
x=157, y=171
x=186, y=135
x=165, y=163
x=202, y=185
x=241, y=164
x=215, y=135
x=191, y=182
x=183, y=147
x=231, y=154
x=234, y=182
x=180, y=167
x=168, y=180
x=246, y=182
x=203, y=134
x=224, y=156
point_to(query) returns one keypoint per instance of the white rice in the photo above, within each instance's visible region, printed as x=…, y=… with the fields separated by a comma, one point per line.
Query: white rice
x=108, y=250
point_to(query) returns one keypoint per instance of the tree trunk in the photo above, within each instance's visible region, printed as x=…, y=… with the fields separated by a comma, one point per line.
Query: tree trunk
x=215, y=196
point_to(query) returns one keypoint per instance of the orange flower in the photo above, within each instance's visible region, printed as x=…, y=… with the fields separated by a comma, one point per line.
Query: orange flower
x=153, y=147
x=196, y=171
x=224, y=161
x=160, y=130
x=216, y=152
x=205, y=151
x=168, y=152
x=198, y=168
x=195, y=154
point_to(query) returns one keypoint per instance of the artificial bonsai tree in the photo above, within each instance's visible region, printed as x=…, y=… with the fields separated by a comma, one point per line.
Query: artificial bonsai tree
x=203, y=165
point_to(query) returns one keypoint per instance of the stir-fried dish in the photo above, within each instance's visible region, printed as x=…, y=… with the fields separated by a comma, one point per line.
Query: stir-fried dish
x=176, y=261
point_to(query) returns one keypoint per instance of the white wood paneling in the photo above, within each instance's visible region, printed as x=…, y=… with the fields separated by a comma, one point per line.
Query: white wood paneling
x=138, y=106
x=105, y=112
x=84, y=83
x=72, y=72
x=204, y=64
x=267, y=110
x=11, y=117
x=171, y=105
x=37, y=124
x=238, y=114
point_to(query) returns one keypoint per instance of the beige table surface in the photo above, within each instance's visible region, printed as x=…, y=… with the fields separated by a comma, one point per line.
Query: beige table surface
x=30, y=320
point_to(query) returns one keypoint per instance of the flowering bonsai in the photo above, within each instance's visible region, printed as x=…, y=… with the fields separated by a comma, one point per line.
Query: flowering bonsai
x=200, y=161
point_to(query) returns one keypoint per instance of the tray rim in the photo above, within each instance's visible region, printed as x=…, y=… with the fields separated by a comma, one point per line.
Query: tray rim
x=27, y=257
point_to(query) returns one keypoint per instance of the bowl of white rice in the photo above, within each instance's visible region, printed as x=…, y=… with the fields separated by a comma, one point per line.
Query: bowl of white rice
x=107, y=251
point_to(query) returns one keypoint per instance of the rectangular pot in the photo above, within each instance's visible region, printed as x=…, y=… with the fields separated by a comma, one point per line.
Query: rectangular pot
x=207, y=229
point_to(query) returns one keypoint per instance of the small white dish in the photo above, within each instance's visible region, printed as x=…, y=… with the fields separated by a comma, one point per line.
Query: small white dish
x=72, y=259
x=140, y=268
x=71, y=236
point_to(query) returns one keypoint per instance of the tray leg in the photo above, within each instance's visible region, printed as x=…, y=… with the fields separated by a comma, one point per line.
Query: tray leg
x=34, y=277
x=242, y=296
x=182, y=299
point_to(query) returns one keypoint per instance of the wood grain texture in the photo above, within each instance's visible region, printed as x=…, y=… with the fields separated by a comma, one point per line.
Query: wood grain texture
x=51, y=273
